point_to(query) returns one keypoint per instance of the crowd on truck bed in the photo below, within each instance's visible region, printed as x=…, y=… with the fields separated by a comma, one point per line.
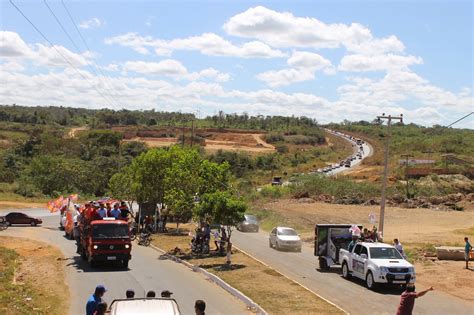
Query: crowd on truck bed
x=373, y=235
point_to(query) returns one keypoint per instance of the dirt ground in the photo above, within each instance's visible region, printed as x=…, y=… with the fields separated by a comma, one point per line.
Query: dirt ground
x=411, y=226
x=250, y=277
x=252, y=143
x=42, y=268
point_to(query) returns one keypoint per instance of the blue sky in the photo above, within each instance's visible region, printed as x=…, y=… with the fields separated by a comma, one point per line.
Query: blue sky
x=331, y=60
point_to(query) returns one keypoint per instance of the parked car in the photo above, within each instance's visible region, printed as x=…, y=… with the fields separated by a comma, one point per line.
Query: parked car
x=21, y=218
x=250, y=223
x=285, y=238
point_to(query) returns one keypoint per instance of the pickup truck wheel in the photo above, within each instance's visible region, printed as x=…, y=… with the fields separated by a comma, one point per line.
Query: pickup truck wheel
x=369, y=281
x=323, y=264
x=345, y=271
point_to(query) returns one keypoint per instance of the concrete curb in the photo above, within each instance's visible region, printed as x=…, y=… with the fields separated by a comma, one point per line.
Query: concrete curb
x=300, y=284
x=251, y=305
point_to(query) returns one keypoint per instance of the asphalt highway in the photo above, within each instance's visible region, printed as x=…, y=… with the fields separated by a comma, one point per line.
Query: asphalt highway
x=146, y=272
x=352, y=296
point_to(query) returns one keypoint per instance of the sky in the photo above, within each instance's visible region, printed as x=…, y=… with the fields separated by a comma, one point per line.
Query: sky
x=329, y=60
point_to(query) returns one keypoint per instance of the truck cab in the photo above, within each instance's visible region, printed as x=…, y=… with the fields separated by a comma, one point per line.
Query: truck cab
x=376, y=263
x=106, y=240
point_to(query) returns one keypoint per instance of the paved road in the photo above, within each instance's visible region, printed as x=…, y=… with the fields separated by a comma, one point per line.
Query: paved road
x=352, y=295
x=146, y=272
x=368, y=151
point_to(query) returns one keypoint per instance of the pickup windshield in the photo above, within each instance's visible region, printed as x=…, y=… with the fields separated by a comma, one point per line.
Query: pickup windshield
x=384, y=253
x=101, y=231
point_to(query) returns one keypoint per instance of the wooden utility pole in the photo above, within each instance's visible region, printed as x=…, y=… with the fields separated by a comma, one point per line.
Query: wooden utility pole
x=406, y=156
x=385, y=169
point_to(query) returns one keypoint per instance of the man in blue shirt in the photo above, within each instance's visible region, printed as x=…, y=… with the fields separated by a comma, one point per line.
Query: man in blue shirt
x=115, y=212
x=102, y=211
x=467, y=251
x=95, y=299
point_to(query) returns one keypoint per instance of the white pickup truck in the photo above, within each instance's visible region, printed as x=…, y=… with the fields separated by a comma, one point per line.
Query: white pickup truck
x=376, y=263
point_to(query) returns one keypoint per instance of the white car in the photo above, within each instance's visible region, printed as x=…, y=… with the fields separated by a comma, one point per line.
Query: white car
x=284, y=238
x=376, y=263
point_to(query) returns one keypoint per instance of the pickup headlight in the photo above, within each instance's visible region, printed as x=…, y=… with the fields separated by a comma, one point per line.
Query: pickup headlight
x=95, y=247
x=384, y=269
x=411, y=269
x=127, y=246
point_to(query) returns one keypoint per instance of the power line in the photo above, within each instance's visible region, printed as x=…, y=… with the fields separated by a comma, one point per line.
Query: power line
x=459, y=119
x=82, y=39
x=74, y=44
x=56, y=49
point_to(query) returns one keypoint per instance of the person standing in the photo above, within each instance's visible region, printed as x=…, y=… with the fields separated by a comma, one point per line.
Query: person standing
x=399, y=247
x=407, y=299
x=102, y=212
x=95, y=299
x=467, y=251
x=115, y=212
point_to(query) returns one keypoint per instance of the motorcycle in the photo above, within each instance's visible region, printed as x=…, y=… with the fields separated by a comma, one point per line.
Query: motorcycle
x=200, y=245
x=133, y=231
x=144, y=239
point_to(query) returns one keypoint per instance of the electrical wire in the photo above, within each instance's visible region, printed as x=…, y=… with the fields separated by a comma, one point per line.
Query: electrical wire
x=83, y=40
x=78, y=49
x=56, y=49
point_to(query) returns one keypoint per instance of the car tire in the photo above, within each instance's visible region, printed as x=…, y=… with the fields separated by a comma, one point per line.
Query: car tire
x=345, y=271
x=8, y=223
x=277, y=246
x=323, y=265
x=369, y=281
x=33, y=223
x=256, y=230
x=125, y=263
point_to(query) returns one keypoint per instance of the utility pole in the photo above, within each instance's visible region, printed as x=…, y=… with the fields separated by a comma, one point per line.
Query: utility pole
x=406, y=156
x=385, y=169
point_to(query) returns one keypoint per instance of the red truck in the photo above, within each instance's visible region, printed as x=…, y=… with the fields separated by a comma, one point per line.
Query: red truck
x=106, y=240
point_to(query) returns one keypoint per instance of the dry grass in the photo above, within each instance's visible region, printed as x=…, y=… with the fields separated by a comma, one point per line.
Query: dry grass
x=275, y=293
x=37, y=284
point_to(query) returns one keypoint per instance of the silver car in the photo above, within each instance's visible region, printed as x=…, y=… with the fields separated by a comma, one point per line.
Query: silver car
x=285, y=238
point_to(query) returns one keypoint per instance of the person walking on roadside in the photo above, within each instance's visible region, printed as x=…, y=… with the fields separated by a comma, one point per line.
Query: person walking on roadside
x=200, y=307
x=407, y=299
x=95, y=299
x=467, y=251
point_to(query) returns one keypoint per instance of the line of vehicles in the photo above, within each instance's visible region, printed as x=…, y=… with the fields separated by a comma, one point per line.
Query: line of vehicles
x=358, y=147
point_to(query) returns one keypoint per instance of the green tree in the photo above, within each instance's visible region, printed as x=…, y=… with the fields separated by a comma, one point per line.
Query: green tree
x=223, y=208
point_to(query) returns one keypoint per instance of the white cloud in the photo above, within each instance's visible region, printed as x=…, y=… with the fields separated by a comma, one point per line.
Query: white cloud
x=174, y=68
x=283, y=29
x=378, y=62
x=12, y=47
x=208, y=44
x=91, y=23
x=111, y=67
x=303, y=67
x=167, y=67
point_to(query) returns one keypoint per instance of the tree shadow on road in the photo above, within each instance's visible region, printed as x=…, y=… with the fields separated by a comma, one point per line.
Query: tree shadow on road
x=83, y=266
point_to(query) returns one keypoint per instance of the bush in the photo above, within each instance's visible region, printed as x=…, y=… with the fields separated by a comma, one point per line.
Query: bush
x=274, y=137
x=282, y=148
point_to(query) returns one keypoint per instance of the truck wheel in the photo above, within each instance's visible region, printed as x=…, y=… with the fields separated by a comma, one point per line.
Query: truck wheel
x=345, y=271
x=323, y=265
x=92, y=263
x=125, y=263
x=83, y=255
x=369, y=281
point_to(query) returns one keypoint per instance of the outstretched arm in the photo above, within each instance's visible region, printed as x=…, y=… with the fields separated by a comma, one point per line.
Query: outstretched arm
x=424, y=292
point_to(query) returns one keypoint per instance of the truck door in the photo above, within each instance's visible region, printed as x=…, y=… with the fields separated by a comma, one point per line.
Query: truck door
x=357, y=262
x=363, y=259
